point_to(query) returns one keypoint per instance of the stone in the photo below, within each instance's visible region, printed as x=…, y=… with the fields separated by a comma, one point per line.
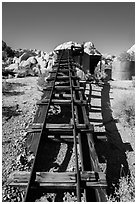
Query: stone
x=12, y=67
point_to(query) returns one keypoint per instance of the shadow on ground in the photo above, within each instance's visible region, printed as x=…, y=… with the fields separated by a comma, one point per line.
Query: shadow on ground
x=112, y=151
x=9, y=111
x=8, y=88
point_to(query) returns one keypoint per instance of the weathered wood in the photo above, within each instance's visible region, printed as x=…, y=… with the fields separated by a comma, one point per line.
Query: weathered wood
x=66, y=138
x=60, y=70
x=55, y=101
x=63, y=88
x=59, y=128
x=59, y=102
x=58, y=78
x=100, y=135
x=62, y=78
x=58, y=180
x=55, y=126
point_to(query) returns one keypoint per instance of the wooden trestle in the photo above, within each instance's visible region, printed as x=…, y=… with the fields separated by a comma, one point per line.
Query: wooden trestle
x=64, y=89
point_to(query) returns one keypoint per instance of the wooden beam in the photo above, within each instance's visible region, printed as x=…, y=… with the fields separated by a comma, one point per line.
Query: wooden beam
x=62, y=78
x=63, y=88
x=55, y=126
x=58, y=180
x=61, y=102
x=37, y=127
x=55, y=101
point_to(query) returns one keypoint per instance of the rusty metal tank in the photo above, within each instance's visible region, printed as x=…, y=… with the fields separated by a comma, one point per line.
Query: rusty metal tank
x=123, y=70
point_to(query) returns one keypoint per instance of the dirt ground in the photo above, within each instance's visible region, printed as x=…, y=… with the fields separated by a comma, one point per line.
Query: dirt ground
x=19, y=107
x=120, y=143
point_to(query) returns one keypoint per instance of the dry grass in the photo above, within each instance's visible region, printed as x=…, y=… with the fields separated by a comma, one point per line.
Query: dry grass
x=125, y=111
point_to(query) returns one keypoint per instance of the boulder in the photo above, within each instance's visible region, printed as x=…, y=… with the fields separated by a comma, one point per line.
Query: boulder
x=36, y=70
x=24, y=63
x=90, y=49
x=16, y=60
x=12, y=67
x=81, y=75
x=25, y=56
x=67, y=45
x=132, y=49
x=32, y=60
x=46, y=57
x=50, y=64
x=41, y=62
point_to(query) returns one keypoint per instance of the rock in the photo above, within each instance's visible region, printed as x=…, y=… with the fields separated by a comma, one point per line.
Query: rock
x=67, y=45
x=32, y=60
x=50, y=64
x=132, y=49
x=21, y=159
x=46, y=57
x=12, y=67
x=80, y=74
x=41, y=62
x=25, y=63
x=16, y=60
x=36, y=70
x=24, y=56
x=89, y=48
x=30, y=158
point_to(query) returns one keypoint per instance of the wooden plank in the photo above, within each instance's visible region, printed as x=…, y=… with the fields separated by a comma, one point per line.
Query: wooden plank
x=54, y=101
x=40, y=114
x=100, y=135
x=55, y=126
x=60, y=71
x=37, y=127
x=57, y=88
x=58, y=78
x=58, y=180
x=59, y=101
x=65, y=88
x=62, y=78
x=62, y=138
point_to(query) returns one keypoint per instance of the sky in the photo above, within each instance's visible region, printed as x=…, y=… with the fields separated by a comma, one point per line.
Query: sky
x=44, y=25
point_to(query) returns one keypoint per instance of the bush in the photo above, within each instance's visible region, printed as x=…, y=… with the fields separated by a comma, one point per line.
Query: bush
x=125, y=56
x=126, y=190
x=3, y=45
x=9, y=52
x=126, y=110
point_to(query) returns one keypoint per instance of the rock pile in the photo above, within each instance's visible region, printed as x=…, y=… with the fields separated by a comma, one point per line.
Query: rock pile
x=89, y=47
x=28, y=63
x=35, y=62
x=67, y=45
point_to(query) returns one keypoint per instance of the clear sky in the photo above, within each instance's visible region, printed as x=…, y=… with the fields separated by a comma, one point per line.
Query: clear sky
x=44, y=25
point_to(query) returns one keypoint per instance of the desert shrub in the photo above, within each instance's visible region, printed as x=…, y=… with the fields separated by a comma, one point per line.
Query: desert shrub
x=42, y=79
x=9, y=52
x=125, y=56
x=126, y=190
x=126, y=110
x=3, y=45
x=100, y=74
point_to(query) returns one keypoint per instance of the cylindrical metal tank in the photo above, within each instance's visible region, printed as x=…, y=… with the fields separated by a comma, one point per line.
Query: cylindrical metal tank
x=123, y=70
